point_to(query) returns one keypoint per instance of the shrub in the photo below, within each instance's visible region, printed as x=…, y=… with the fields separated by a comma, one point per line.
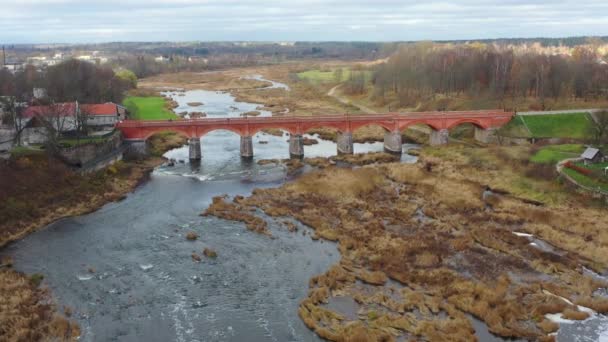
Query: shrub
x=191, y=236
x=575, y=315
x=209, y=253
x=36, y=279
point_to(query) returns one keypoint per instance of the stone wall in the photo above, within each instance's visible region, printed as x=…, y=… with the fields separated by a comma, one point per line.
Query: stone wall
x=6, y=139
x=83, y=154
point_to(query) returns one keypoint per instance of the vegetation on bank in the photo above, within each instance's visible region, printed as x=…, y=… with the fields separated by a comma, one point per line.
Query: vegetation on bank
x=148, y=108
x=26, y=312
x=36, y=189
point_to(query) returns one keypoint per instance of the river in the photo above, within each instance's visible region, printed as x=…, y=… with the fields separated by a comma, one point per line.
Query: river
x=126, y=270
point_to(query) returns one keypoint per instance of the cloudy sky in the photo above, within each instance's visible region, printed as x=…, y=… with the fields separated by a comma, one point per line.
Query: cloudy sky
x=70, y=21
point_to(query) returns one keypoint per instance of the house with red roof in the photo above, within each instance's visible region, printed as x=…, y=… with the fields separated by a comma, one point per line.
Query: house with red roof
x=105, y=114
x=63, y=117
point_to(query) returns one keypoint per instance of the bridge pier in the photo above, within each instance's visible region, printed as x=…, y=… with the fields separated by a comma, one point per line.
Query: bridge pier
x=135, y=149
x=246, y=147
x=393, y=142
x=486, y=136
x=296, y=146
x=345, y=143
x=195, y=149
x=439, y=137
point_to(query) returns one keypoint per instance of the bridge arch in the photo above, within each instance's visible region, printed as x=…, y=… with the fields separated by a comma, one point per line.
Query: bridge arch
x=202, y=132
x=340, y=127
x=357, y=125
x=257, y=130
x=407, y=124
x=476, y=123
x=185, y=133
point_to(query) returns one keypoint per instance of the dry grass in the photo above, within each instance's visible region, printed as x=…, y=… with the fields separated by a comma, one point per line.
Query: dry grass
x=26, y=315
x=339, y=183
x=462, y=258
x=232, y=211
x=575, y=314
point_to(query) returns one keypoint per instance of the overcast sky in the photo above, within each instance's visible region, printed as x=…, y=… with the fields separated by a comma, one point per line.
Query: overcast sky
x=73, y=21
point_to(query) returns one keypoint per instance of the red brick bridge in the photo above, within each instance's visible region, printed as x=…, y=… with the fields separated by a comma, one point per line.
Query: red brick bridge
x=485, y=122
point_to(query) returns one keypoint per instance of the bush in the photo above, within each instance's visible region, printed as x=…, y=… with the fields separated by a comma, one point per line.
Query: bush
x=191, y=236
x=36, y=279
x=209, y=253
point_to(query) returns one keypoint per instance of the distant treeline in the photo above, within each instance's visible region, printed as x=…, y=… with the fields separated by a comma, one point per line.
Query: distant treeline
x=354, y=49
x=424, y=70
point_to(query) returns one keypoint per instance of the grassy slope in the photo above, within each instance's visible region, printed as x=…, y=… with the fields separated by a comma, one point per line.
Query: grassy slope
x=148, y=108
x=574, y=125
x=554, y=153
x=515, y=128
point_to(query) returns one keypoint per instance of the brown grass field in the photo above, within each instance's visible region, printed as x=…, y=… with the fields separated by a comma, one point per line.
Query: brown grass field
x=462, y=257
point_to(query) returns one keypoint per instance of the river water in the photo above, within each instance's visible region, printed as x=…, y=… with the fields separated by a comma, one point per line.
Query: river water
x=126, y=270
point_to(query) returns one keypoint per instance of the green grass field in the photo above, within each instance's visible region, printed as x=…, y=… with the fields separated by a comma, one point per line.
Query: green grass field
x=574, y=125
x=554, y=153
x=319, y=76
x=148, y=108
x=24, y=151
x=82, y=141
x=588, y=181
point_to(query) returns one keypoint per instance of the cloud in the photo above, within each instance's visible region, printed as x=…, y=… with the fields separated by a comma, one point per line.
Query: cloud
x=45, y=21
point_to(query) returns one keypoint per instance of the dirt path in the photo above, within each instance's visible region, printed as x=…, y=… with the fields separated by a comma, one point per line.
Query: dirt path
x=333, y=93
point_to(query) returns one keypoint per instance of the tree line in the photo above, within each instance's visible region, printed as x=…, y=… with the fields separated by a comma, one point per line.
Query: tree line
x=70, y=81
x=425, y=70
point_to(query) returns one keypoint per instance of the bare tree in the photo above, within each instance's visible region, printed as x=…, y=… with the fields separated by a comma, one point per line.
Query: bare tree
x=599, y=131
x=12, y=113
x=81, y=120
x=56, y=119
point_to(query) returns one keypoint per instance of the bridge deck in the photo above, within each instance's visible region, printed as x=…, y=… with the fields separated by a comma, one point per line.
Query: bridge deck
x=137, y=130
x=318, y=118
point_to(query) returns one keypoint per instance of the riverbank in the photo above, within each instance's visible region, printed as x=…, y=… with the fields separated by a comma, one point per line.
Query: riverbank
x=425, y=246
x=37, y=190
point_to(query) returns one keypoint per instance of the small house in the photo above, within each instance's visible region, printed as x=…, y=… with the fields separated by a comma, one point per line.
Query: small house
x=592, y=156
x=105, y=114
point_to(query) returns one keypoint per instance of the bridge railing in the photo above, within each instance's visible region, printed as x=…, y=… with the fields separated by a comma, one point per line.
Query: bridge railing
x=288, y=119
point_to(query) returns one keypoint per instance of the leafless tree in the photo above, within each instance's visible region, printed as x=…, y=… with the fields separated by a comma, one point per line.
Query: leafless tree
x=12, y=114
x=599, y=131
x=56, y=118
x=81, y=120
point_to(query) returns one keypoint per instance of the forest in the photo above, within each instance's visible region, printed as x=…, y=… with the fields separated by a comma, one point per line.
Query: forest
x=428, y=70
